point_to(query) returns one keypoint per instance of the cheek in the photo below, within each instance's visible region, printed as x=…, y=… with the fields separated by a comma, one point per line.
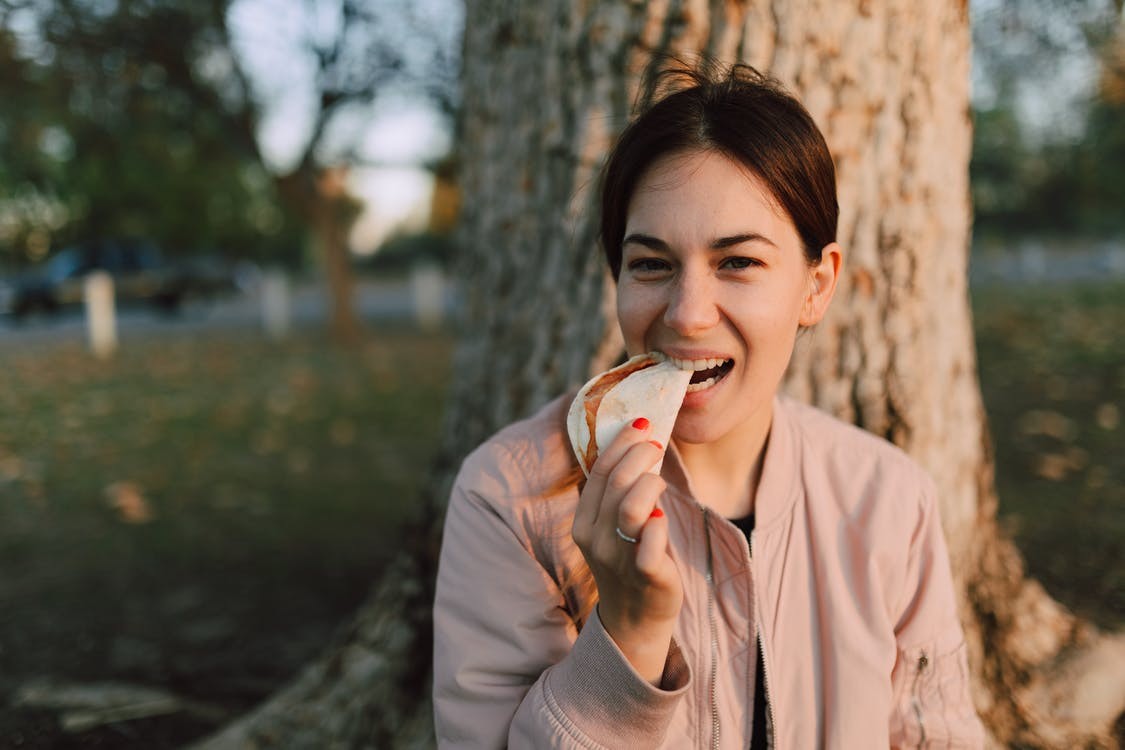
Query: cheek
x=634, y=313
x=788, y=302
x=769, y=324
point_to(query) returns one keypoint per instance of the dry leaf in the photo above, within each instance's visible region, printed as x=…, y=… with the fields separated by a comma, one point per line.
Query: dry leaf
x=1052, y=466
x=342, y=432
x=1108, y=416
x=1049, y=423
x=11, y=467
x=126, y=498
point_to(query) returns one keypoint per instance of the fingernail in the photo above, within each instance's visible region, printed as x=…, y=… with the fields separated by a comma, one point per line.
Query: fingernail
x=640, y=423
x=659, y=447
x=656, y=513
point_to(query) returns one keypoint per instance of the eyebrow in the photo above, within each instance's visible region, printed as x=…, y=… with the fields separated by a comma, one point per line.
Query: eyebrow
x=722, y=243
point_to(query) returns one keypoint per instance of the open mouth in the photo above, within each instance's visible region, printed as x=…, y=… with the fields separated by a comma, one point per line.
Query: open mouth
x=705, y=372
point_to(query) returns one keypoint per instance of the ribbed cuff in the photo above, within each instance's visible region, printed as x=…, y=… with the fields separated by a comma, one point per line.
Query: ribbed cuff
x=596, y=691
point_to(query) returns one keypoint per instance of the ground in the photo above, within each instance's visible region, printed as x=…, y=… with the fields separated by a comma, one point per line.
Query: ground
x=201, y=514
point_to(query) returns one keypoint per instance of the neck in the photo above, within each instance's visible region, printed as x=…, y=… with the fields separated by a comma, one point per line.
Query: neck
x=725, y=473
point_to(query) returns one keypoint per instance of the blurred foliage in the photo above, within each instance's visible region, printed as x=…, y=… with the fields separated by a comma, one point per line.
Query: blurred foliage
x=138, y=118
x=142, y=118
x=108, y=118
x=400, y=253
x=1065, y=175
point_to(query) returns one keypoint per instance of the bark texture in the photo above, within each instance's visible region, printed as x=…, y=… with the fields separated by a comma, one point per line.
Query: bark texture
x=547, y=85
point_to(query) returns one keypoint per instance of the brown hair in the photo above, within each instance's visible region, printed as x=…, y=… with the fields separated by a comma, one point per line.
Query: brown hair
x=738, y=112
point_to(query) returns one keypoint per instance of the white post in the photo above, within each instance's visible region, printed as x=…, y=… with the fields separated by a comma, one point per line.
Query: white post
x=101, y=318
x=427, y=285
x=276, y=304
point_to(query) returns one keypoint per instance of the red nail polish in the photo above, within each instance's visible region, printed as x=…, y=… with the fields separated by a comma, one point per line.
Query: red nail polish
x=640, y=423
x=659, y=447
x=656, y=513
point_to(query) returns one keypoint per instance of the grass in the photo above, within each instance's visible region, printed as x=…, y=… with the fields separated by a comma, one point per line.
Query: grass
x=199, y=514
x=202, y=514
x=1052, y=369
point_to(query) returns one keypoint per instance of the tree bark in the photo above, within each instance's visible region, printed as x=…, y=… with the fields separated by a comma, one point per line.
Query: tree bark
x=547, y=86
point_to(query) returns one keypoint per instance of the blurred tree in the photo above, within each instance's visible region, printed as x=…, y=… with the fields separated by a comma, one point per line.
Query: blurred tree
x=547, y=87
x=144, y=120
x=1105, y=132
x=1044, y=155
x=90, y=125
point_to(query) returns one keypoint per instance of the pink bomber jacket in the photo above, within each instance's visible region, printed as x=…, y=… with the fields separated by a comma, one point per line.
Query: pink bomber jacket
x=846, y=580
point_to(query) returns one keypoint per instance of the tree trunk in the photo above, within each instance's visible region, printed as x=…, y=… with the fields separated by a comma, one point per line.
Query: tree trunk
x=320, y=198
x=547, y=87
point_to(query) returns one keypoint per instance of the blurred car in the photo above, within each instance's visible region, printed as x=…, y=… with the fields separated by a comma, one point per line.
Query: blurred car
x=139, y=272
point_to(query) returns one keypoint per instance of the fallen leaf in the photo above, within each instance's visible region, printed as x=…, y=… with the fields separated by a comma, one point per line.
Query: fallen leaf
x=1077, y=458
x=1049, y=423
x=297, y=462
x=1052, y=466
x=11, y=467
x=1097, y=477
x=280, y=402
x=1057, y=388
x=1108, y=416
x=126, y=498
x=342, y=432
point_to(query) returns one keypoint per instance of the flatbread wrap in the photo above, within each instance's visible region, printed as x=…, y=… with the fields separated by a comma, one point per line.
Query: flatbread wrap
x=645, y=386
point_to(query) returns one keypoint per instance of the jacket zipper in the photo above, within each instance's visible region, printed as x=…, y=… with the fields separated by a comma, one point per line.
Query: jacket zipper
x=765, y=668
x=916, y=704
x=714, y=634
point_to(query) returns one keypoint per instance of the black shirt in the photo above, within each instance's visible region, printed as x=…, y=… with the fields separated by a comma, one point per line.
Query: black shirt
x=758, y=740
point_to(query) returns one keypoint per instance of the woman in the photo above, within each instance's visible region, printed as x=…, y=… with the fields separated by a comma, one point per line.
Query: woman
x=783, y=582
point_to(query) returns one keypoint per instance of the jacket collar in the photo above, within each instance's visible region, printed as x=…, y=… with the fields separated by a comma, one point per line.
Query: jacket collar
x=778, y=483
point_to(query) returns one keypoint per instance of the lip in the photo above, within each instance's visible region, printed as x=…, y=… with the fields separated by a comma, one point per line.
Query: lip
x=679, y=353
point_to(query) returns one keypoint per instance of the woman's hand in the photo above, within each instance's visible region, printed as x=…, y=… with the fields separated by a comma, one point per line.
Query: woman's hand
x=639, y=588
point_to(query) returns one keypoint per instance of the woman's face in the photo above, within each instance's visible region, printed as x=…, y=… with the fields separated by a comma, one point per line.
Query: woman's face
x=712, y=269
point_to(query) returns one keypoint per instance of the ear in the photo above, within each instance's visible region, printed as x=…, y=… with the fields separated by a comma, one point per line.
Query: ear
x=822, y=285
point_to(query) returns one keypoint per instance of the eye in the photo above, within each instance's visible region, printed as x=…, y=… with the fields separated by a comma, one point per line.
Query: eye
x=739, y=263
x=648, y=266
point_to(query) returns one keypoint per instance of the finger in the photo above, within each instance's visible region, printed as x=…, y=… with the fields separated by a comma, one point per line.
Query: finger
x=652, y=549
x=606, y=545
x=606, y=463
x=633, y=466
x=638, y=503
x=609, y=455
x=590, y=501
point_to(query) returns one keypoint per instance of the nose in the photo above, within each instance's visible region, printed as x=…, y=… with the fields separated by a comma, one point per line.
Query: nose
x=692, y=306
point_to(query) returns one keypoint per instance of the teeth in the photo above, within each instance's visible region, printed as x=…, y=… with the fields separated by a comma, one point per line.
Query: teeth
x=694, y=365
x=700, y=386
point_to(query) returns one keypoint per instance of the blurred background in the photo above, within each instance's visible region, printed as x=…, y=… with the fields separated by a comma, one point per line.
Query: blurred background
x=190, y=511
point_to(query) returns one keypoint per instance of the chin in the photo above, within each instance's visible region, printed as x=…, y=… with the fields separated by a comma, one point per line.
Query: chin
x=692, y=432
x=718, y=423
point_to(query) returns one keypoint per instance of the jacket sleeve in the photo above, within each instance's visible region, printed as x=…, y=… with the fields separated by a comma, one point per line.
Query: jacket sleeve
x=510, y=667
x=933, y=707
